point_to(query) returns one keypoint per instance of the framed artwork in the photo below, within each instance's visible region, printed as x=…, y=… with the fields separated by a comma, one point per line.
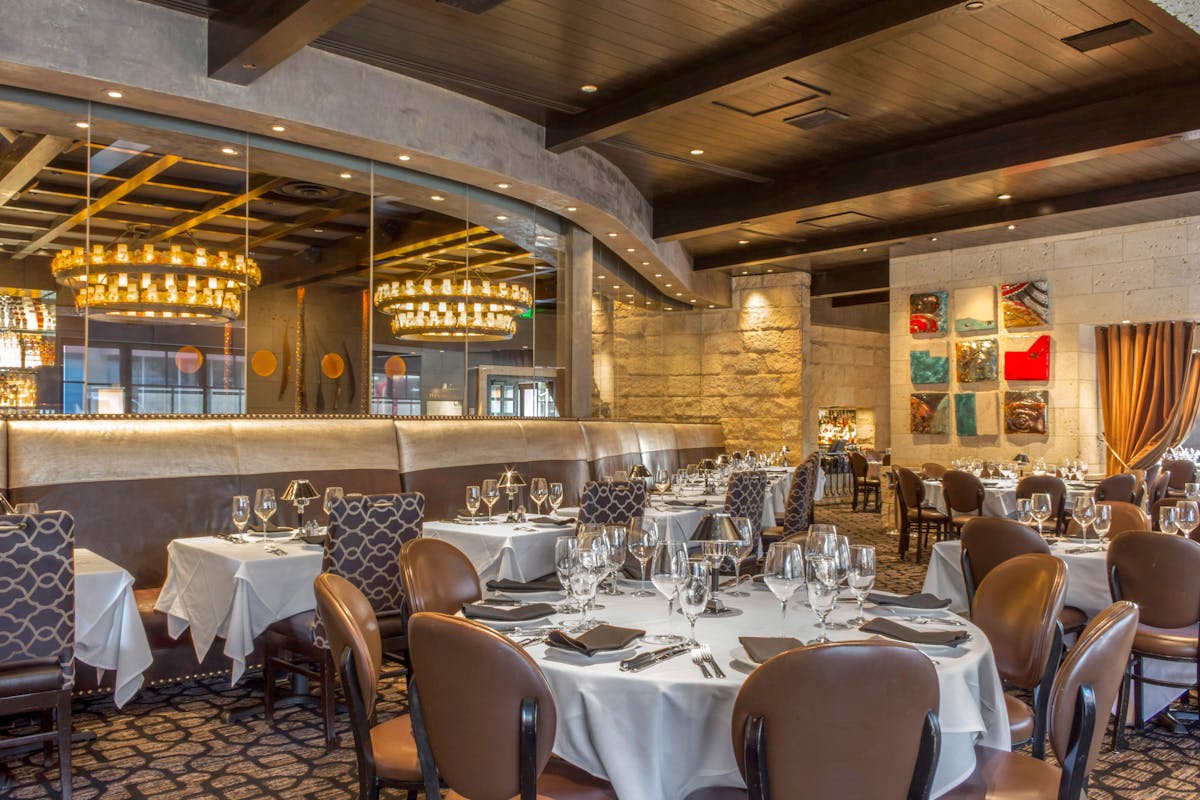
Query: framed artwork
x=1031, y=363
x=1025, y=411
x=927, y=312
x=975, y=310
x=976, y=360
x=1026, y=304
x=929, y=412
x=931, y=365
x=976, y=414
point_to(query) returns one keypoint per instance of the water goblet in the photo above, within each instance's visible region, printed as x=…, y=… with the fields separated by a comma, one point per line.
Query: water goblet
x=668, y=571
x=585, y=578
x=1084, y=514
x=474, y=497
x=1102, y=523
x=1187, y=516
x=491, y=494
x=1024, y=511
x=1168, y=521
x=644, y=537
x=264, y=506
x=555, y=497
x=618, y=542
x=662, y=482
x=539, y=492
x=822, y=590
x=841, y=564
x=743, y=548
x=694, y=593
x=783, y=572
x=861, y=576
x=566, y=552
x=1192, y=491
x=1039, y=504
x=240, y=513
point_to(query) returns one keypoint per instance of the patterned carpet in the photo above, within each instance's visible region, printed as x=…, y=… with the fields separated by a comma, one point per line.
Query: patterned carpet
x=170, y=742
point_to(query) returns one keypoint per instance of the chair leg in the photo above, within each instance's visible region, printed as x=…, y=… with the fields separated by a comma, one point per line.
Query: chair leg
x=63, y=721
x=269, y=678
x=1139, y=700
x=328, y=699
x=1122, y=711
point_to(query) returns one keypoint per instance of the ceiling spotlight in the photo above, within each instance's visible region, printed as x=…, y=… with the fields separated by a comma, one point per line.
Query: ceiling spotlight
x=1005, y=196
x=696, y=152
x=974, y=5
x=82, y=124
x=229, y=151
x=770, y=270
x=645, y=263
x=678, y=294
x=630, y=249
x=612, y=234
x=278, y=128
x=501, y=217
x=864, y=249
x=1012, y=227
x=345, y=175
x=572, y=208
x=404, y=157
x=114, y=94
x=658, y=274
x=589, y=88
x=743, y=241
x=667, y=285
x=437, y=198
x=501, y=185
x=629, y=295
x=1124, y=322
x=318, y=230
x=933, y=238
x=745, y=272
x=710, y=305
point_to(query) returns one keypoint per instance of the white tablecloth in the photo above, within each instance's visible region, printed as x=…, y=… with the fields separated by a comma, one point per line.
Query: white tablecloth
x=998, y=501
x=500, y=550
x=1087, y=590
x=661, y=733
x=108, y=631
x=219, y=588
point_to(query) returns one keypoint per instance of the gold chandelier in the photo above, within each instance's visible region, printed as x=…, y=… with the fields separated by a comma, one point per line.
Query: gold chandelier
x=472, y=309
x=145, y=283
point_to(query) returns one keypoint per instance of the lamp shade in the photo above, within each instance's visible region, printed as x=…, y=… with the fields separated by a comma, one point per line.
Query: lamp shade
x=1021, y=458
x=510, y=479
x=300, y=489
x=706, y=464
x=639, y=471
x=718, y=527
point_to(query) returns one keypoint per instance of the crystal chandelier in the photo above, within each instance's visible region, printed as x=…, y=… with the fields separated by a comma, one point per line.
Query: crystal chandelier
x=145, y=283
x=436, y=310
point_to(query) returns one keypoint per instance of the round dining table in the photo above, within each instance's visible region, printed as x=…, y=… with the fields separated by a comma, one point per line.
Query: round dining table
x=665, y=731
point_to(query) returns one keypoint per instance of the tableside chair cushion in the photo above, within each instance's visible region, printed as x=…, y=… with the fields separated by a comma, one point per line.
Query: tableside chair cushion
x=614, y=502
x=1117, y=487
x=746, y=495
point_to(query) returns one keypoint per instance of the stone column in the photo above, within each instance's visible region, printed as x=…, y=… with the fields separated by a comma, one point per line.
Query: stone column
x=575, y=325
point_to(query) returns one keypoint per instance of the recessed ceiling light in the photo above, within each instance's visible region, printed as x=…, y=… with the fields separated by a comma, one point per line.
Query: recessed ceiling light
x=630, y=249
x=667, y=308
x=667, y=285
x=501, y=217
x=933, y=238
x=696, y=152
x=1005, y=196
x=615, y=286
x=278, y=128
x=82, y=124
x=710, y=305
x=645, y=263
x=229, y=151
x=318, y=230
x=589, y=88
x=501, y=185
x=114, y=94
x=404, y=157
x=743, y=241
x=974, y=5
x=437, y=198
x=572, y=208
x=1124, y=322
x=629, y=295
x=647, y=302
x=770, y=270
x=678, y=294
x=1012, y=227
x=745, y=272
x=864, y=249
x=612, y=234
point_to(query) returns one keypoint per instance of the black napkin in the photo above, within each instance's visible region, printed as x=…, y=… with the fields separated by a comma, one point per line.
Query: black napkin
x=762, y=648
x=546, y=583
x=316, y=538
x=894, y=630
x=598, y=640
x=688, y=503
x=518, y=614
x=924, y=601
x=565, y=521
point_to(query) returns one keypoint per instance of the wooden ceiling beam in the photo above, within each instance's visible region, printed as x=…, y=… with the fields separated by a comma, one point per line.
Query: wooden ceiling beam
x=310, y=219
x=833, y=38
x=216, y=208
x=251, y=38
x=40, y=153
x=1081, y=133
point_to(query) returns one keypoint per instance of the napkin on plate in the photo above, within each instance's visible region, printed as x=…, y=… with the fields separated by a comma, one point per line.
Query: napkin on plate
x=924, y=601
x=518, y=614
x=894, y=630
x=762, y=648
x=564, y=522
x=599, y=639
x=546, y=583
x=688, y=503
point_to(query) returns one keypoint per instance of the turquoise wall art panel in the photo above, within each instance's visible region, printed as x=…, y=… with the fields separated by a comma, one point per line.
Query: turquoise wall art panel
x=931, y=365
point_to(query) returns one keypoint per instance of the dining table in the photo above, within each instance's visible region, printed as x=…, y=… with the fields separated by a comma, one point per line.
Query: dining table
x=109, y=634
x=1000, y=496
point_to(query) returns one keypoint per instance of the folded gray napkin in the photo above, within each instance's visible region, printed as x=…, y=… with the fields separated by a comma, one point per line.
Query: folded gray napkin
x=565, y=521
x=518, y=614
x=688, y=503
x=894, y=630
x=763, y=648
x=546, y=583
x=924, y=601
x=599, y=639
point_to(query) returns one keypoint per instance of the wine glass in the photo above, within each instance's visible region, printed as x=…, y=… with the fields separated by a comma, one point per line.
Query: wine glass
x=693, y=594
x=588, y=534
x=555, y=497
x=1102, y=522
x=1168, y=521
x=264, y=506
x=491, y=494
x=539, y=492
x=566, y=552
x=1040, y=506
x=861, y=576
x=1187, y=516
x=241, y=513
x=332, y=495
x=1192, y=491
x=586, y=568
x=783, y=572
x=743, y=548
x=1084, y=513
x=643, y=541
x=1083, y=469
x=1024, y=511
x=822, y=590
x=618, y=542
x=474, y=497
x=840, y=553
x=662, y=481
x=668, y=572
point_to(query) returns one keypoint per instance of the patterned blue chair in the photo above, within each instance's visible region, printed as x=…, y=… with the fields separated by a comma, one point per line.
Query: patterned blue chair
x=746, y=496
x=366, y=533
x=614, y=503
x=37, y=626
x=798, y=512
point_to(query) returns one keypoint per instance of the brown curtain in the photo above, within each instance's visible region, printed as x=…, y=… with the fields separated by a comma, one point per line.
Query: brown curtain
x=1149, y=389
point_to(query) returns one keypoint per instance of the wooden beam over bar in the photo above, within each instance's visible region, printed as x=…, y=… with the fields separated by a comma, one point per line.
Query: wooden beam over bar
x=27, y=167
x=216, y=208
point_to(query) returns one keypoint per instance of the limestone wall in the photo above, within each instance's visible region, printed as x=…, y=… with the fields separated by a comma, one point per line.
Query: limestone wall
x=849, y=368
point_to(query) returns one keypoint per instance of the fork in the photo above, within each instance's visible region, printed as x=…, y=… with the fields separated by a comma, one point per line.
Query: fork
x=698, y=660
x=706, y=653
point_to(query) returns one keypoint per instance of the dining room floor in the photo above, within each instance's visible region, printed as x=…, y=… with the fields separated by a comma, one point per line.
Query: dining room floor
x=170, y=741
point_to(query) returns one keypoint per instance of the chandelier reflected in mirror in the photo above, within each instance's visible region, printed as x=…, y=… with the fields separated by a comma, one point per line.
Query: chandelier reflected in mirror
x=144, y=283
x=475, y=309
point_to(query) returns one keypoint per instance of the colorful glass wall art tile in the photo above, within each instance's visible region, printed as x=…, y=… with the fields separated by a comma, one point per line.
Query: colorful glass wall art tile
x=975, y=310
x=929, y=412
x=1026, y=304
x=930, y=365
x=927, y=312
x=1030, y=363
x=1025, y=411
x=976, y=360
x=976, y=414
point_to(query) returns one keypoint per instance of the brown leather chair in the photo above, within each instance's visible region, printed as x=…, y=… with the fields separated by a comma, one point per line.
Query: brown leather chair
x=1180, y=472
x=864, y=487
x=466, y=671
x=913, y=515
x=989, y=541
x=1086, y=686
x=1017, y=605
x=437, y=576
x=1125, y=517
x=1155, y=508
x=1049, y=484
x=964, y=497
x=1156, y=490
x=1117, y=487
x=783, y=751
x=1159, y=574
x=387, y=751
x=932, y=469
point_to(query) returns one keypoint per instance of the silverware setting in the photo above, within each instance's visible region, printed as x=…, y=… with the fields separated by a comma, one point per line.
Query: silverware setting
x=275, y=550
x=706, y=654
x=698, y=660
x=643, y=660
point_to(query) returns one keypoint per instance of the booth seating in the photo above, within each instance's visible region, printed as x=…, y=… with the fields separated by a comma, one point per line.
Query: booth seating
x=134, y=484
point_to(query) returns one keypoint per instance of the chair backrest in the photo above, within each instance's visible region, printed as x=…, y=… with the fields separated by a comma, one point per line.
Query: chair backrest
x=1157, y=572
x=350, y=622
x=746, y=495
x=932, y=469
x=1181, y=472
x=858, y=465
x=37, y=598
x=1156, y=506
x=963, y=491
x=437, y=577
x=912, y=490
x=797, y=514
x=990, y=541
x=472, y=683
x=1117, y=487
x=614, y=502
x=1017, y=606
x=887, y=688
x=1158, y=489
x=1048, y=484
x=1125, y=517
x=1098, y=661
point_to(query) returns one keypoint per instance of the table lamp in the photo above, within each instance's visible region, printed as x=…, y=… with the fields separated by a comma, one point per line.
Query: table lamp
x=706, y=467
x=1022, y=462
x=511, y=482
x=719, y=536
x=300, y=492
x=640, y=472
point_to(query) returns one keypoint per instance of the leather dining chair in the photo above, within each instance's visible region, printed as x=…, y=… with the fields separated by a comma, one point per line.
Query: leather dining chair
x=468, y=673
x=1085, y=687
x=1047, y=484
x=964, y=497
x=1125, y=517
x=386, y=751
x=1157, y=489
x=437, y=576
x=1117, y=487
x=990, y=541
x=37, y=628
x=363, y=539
x=1017, y=606
x=746, y=496
x=1159, y=574
x=614, y=502
x=913, y=515
x=1180, y=472
x=891, y=690
x=864, y=487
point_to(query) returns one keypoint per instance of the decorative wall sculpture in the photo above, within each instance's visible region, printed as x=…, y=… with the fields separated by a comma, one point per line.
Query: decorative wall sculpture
x=1031, y=363
x=929, y=412
x=931, y=365
x=1025, y=411
x=927, y=312
x=976, y=414
x=976, y=360
x=975, y=310
x=1026, y=304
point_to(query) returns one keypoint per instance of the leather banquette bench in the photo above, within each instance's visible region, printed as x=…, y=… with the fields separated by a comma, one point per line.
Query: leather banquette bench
x=134, y=484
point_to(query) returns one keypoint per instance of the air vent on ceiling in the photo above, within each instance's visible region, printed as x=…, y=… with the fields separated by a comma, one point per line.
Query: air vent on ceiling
x=472, y=6
x=1109, y=34
x=842, y=220
x=772, y=97
x=304, y=190
x=816, y=119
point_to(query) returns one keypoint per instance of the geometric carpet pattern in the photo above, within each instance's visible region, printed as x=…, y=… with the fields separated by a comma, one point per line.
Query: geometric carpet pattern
x=170, y=742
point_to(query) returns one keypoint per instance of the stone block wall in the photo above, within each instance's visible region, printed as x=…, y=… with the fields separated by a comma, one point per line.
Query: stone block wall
x=849, y=368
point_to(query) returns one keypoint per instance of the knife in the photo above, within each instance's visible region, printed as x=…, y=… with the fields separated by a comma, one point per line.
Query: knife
x=644, y=660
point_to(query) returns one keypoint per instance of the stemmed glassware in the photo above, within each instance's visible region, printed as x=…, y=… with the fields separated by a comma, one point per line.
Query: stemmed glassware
x=555, y=496
x=474, y=497
x=1187, y=516
x=566, y=553
x=743, y=548
x=1024, y=510
x=822, y=590
x=591, y=536
x=643, y=541
x=1039, y=504
x=668, y=572
x=861, y=576
x=618, y=542
x=662, y=481
x=783, y=572
x=491, y=494
x=538, y=492
x=265, y=506
x=1102, y=523
x=1167, y=520
x=587, y=567
x=332, y=495
x=241, y=513
x=1192, y=491
x=694, y=593
x=1084, y=514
